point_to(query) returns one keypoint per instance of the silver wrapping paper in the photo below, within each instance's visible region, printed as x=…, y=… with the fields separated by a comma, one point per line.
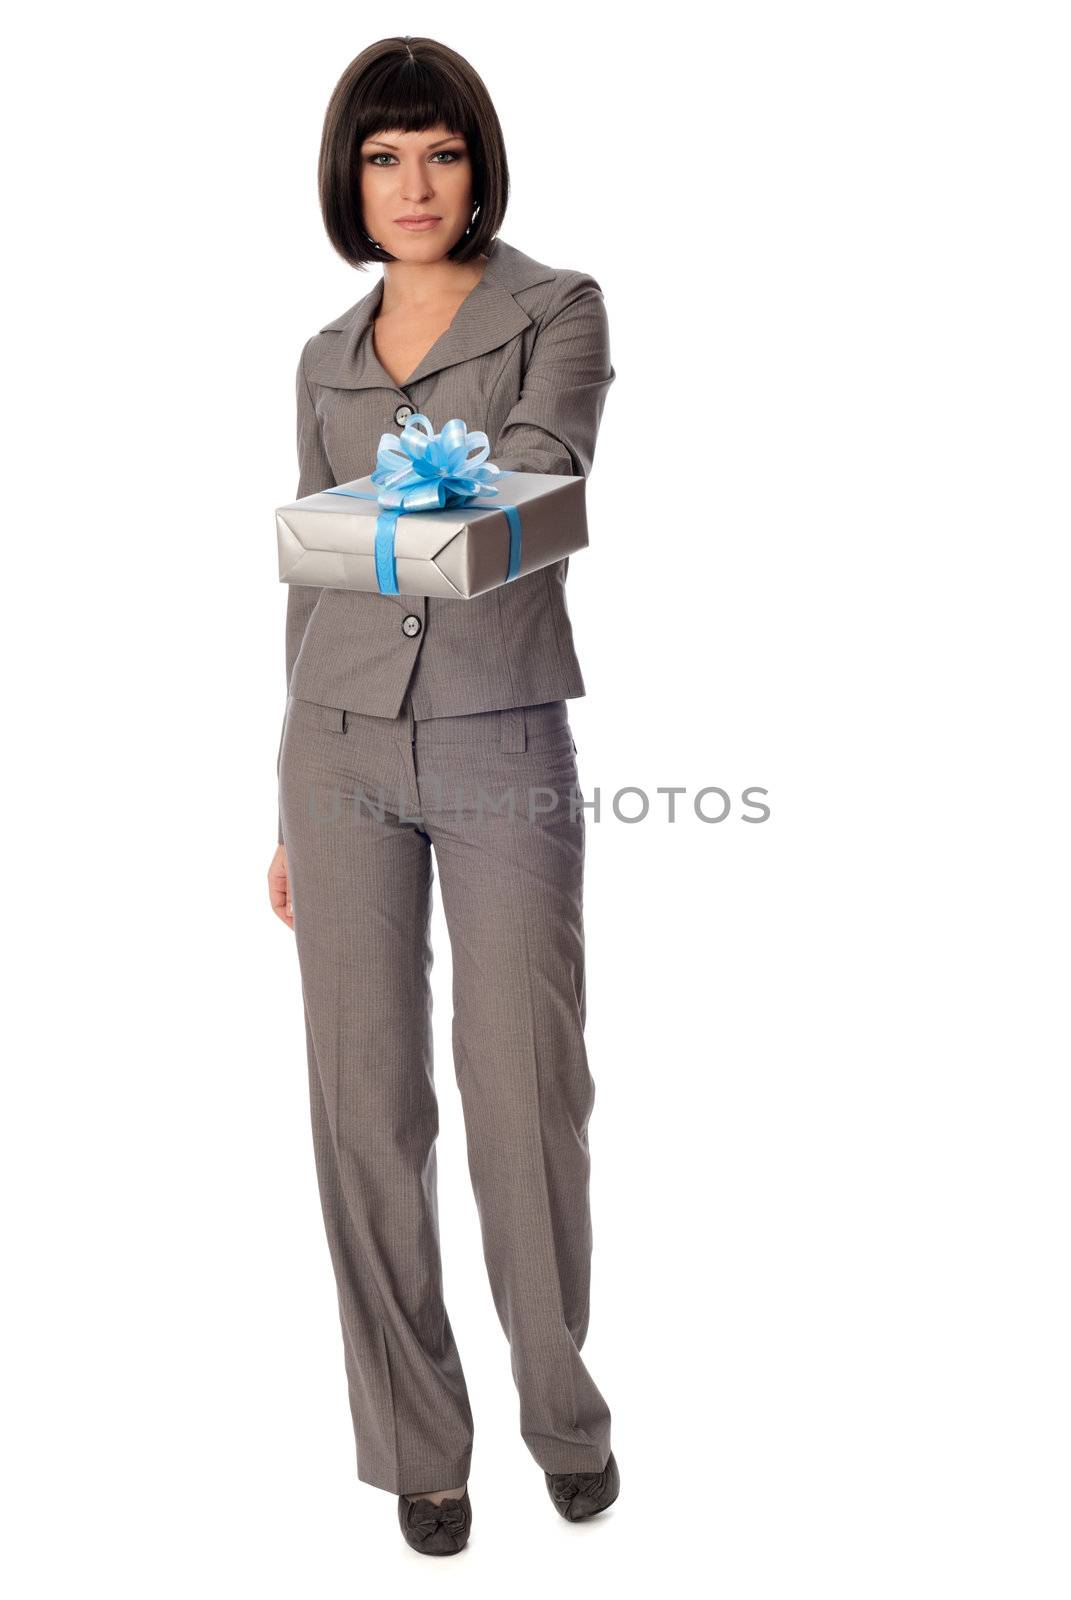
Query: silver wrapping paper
x=328, y=541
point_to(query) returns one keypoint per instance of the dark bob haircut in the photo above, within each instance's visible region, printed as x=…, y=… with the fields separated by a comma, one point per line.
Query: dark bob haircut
x=408, y=84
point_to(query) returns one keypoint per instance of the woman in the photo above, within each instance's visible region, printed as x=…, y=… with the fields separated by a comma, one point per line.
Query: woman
x=406, y=700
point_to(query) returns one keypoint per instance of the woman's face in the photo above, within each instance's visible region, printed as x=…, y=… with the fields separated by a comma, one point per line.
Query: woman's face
x=427, y=174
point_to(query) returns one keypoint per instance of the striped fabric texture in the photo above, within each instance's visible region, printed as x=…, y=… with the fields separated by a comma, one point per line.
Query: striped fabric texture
x=372, y=807
x=526, y=360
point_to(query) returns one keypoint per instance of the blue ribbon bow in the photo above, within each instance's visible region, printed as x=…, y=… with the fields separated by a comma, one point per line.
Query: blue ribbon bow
x=430, y=472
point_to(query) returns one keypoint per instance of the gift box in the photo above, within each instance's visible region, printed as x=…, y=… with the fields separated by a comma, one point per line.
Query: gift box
x=434, y=518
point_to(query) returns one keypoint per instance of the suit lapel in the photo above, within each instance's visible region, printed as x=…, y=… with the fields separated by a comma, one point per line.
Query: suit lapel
x=488, y=317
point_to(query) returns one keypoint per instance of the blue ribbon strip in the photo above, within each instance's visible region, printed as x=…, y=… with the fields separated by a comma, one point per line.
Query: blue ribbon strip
x=432, y=472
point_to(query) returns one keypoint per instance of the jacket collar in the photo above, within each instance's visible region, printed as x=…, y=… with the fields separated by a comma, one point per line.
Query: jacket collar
x=487, y=317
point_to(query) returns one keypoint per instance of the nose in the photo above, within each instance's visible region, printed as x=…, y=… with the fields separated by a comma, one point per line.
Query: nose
x=415, y=183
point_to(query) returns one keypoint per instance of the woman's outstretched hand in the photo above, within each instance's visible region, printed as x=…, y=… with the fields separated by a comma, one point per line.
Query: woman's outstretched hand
x=279, y=887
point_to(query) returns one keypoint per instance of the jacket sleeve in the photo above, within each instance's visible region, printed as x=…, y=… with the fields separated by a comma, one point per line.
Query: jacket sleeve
x=314, y=474
x=555, y=421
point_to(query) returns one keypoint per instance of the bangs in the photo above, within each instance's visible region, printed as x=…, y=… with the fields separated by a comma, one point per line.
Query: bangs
x=413, y=96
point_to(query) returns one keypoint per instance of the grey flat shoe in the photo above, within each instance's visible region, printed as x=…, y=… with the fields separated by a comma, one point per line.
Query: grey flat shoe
x=581, y=1494
x=435, y=1530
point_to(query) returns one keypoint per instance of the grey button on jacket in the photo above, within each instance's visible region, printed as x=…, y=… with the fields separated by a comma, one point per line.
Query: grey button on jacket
x=526, y=360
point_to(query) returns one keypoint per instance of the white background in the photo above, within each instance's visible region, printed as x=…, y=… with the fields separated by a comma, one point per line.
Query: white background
x=829, y=521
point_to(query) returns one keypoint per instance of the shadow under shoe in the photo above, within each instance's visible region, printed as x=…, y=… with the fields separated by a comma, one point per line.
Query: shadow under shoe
x=581, y=1494
x=435, y=1529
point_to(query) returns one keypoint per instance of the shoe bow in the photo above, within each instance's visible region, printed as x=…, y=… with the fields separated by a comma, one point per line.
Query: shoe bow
x=568, y=1487
x=425, y=1517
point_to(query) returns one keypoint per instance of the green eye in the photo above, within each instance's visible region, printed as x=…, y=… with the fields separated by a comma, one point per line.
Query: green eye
x=451, y=156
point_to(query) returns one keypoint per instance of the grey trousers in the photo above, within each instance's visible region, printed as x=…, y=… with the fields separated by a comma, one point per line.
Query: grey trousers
x=365, y=801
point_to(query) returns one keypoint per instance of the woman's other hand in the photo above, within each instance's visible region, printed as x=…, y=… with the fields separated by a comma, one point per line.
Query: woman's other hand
x=279, y=887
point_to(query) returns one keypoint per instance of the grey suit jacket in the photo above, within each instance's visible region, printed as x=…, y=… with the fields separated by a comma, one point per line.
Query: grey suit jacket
x=527, y=361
